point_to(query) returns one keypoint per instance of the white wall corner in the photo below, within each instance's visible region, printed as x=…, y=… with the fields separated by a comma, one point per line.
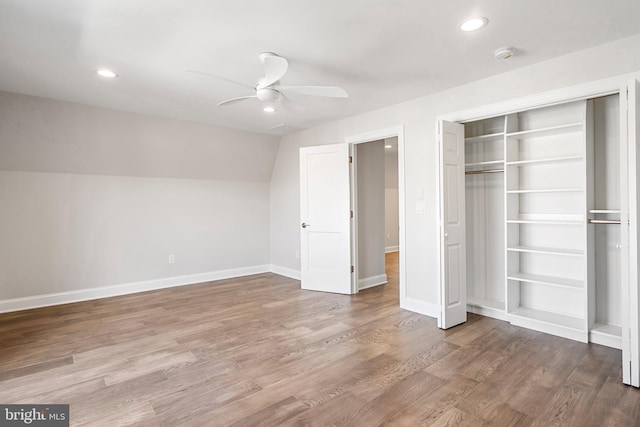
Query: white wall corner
x=370, y=282
x=420, y=307
x=284, y=271
x=46, y=300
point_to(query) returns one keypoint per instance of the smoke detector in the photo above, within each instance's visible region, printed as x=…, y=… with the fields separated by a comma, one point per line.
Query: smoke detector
x=504, y=52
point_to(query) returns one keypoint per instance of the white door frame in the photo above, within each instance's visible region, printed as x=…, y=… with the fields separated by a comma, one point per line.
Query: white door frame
x=376, y=135
x=609, y=86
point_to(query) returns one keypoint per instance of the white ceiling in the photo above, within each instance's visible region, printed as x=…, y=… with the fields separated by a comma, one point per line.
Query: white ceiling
x=381, y=51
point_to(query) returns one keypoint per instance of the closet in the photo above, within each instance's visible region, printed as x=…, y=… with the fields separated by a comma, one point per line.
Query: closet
x=539, y=211
x=542, y=219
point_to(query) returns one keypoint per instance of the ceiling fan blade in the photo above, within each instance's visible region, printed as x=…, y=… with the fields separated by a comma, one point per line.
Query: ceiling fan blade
x=274, y=68
x=290, y=105
x=326, y=91
x=232, y=100
x=202, y=73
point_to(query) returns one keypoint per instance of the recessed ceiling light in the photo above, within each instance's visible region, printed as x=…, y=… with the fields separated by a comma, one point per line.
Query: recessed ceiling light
x=388, y=146
x=269, y=109
x=473, y=24
x=103, y=72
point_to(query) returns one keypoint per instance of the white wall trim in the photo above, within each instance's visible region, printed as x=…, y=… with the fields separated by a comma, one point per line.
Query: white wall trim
x=374, y=135
x=603, y=338
x=557, y=96
x=389, y=249
x=370, y=282
x=58, y=298
x=284, y=271
x=420, y=307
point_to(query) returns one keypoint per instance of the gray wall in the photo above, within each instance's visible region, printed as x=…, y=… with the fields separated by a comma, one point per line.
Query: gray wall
x=94, y=197
x=370, y=176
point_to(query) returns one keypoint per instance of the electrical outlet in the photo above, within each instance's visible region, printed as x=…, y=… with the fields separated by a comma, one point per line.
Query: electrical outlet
x=172, y=259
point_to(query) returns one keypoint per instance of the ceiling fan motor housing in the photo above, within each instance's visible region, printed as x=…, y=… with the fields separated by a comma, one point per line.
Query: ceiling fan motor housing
x=267, y=95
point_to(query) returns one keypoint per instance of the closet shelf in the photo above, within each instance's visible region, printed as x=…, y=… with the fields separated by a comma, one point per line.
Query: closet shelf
x=546, y=190
x=546, y=221
x=549, y=251
x=545, y=160
x=547, y=280
x=489, y=162
x=547, y=131
x=605, y=221
x=605, y=211
x=554, y=319
x=485, y=138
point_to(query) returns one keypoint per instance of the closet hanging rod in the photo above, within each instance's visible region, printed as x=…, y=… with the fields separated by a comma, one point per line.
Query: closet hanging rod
x=483, y=171
x=604, y=221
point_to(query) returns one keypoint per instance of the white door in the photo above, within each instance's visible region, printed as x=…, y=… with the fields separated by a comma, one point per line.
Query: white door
x=453, y=280
x=453, y=276
x=325, y=216
x=631, y=236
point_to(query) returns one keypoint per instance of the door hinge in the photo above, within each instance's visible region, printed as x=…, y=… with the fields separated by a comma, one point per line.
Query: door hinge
x=350, y=214
x=353, y=269
x=626, y=100
x=350, y=159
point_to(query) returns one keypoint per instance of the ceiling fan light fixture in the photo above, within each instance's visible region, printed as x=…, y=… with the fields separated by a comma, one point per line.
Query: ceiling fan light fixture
x=105, y=72
x=269, y=109
x=473, y=24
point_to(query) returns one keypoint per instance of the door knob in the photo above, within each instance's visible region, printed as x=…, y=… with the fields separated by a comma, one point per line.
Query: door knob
x=446, y=234
x=305, y=225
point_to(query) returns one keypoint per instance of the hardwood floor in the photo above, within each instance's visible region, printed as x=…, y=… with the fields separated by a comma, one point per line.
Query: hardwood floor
x=259, y=351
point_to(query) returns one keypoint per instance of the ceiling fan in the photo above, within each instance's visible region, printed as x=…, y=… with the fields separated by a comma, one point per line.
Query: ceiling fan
x=269, y=90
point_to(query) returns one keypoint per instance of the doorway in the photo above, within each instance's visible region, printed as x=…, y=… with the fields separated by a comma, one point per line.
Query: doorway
x=381, y=251
x=329, y=216
x=376, y=223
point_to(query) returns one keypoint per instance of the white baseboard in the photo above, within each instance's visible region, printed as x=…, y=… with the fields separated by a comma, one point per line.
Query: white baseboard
x=420, y=307
x=58, y=298
x=609, y=340
x=488, y=312
x=391, y=249
x=370, y=282
x=284, y=271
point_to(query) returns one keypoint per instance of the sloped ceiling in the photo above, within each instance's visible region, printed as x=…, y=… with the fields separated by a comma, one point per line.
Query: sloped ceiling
x=381, y=51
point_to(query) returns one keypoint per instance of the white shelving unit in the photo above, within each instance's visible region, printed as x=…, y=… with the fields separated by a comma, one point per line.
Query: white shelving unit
x=546, y=152
x=541, y=237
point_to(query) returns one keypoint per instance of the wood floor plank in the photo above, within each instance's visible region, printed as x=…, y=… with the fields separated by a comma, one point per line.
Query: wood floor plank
x=259, y=351
x=38, y=367
x=569, y=402
x=399, y=396
x=274, y=415
x=455, y=417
